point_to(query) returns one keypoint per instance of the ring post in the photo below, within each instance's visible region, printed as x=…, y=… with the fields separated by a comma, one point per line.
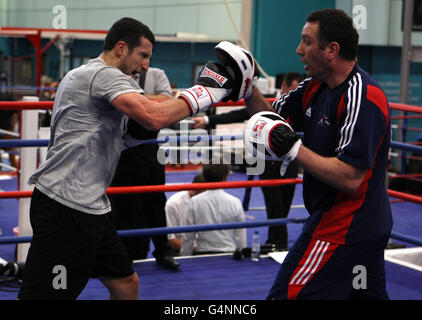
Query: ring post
x=28, y=166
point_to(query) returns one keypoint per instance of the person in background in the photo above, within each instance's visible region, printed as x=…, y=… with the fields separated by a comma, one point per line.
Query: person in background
x=177, y=207
x=143, y=210
x=214, y=207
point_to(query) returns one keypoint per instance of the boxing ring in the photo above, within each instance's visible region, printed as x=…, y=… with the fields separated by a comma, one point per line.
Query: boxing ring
x=218, y=277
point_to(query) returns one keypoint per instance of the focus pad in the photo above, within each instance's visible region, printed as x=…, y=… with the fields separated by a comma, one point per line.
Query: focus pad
x=239, y=65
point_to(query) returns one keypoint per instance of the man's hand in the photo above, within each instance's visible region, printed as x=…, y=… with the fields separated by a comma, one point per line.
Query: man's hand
x=199, y=122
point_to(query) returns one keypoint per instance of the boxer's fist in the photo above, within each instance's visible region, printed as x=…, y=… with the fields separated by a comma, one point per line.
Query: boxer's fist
x=268, y=136
x=213, y=84
x=241, y=65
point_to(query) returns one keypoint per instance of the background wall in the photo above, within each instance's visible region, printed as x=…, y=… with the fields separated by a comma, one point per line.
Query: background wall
x=204, y=18
x=276, y=26
x=162, y=16
x=276, y=30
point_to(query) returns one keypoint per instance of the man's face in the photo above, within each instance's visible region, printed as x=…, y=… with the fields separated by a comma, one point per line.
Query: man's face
x=138, y=59
x=310, y=52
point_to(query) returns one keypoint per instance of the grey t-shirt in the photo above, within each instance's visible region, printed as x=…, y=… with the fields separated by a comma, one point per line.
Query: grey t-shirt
x=87, y=134
x=156, y=82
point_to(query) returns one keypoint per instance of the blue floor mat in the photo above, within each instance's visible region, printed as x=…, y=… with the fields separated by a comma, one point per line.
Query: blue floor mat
x=220, y=277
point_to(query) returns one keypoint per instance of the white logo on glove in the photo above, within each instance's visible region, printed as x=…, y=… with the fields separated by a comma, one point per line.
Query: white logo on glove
x=213, y=75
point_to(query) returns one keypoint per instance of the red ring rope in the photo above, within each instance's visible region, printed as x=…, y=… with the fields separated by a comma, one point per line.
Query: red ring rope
x=27, y=105
x=405, y=196
x=175, y=187
x=208, y=186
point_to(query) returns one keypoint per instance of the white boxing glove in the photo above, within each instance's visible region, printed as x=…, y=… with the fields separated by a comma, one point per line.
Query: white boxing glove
x=213, y=84
x=241, y=65
x=268, y=136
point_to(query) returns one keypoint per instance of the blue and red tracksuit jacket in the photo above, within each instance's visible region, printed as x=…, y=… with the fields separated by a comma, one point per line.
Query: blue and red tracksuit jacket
x=350, y=122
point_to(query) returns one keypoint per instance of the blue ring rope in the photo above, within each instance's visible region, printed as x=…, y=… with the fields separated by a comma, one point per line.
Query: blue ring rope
x=182, y=229
x=203, y=227
x=403, y=237
x=19, y=143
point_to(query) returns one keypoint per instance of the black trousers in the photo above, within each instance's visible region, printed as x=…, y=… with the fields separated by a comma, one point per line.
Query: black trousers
x=278, y=199
x=138, y=166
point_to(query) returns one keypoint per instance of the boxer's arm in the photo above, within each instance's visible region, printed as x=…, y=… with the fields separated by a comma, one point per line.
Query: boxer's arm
x=234, y=116
x=157, y=96
x=257, y=102
x=150, y=114
x=345, y=177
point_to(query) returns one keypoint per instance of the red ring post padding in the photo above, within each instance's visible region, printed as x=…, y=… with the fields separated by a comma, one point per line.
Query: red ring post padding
x=26, y=105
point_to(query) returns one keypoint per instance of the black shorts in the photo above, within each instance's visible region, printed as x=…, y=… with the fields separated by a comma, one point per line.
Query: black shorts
x=69, y=247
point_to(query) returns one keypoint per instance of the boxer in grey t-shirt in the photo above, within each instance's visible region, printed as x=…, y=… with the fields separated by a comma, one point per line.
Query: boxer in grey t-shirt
x=83, y=114
x=69, y=209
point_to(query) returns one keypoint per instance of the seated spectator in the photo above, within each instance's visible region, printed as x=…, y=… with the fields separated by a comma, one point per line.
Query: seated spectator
x=176, y=214
x=215, y=207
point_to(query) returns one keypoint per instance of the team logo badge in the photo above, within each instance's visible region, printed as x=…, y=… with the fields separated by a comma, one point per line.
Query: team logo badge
x=324, y=121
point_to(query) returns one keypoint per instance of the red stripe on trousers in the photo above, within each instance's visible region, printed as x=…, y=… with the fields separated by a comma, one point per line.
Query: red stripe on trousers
x=316, y=256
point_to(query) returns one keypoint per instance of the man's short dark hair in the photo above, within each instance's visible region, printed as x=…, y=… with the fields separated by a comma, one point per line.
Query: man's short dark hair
x=215, y=172
x=199, y=178
x=289, y=77
x=128, y=30
x=336, y=25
